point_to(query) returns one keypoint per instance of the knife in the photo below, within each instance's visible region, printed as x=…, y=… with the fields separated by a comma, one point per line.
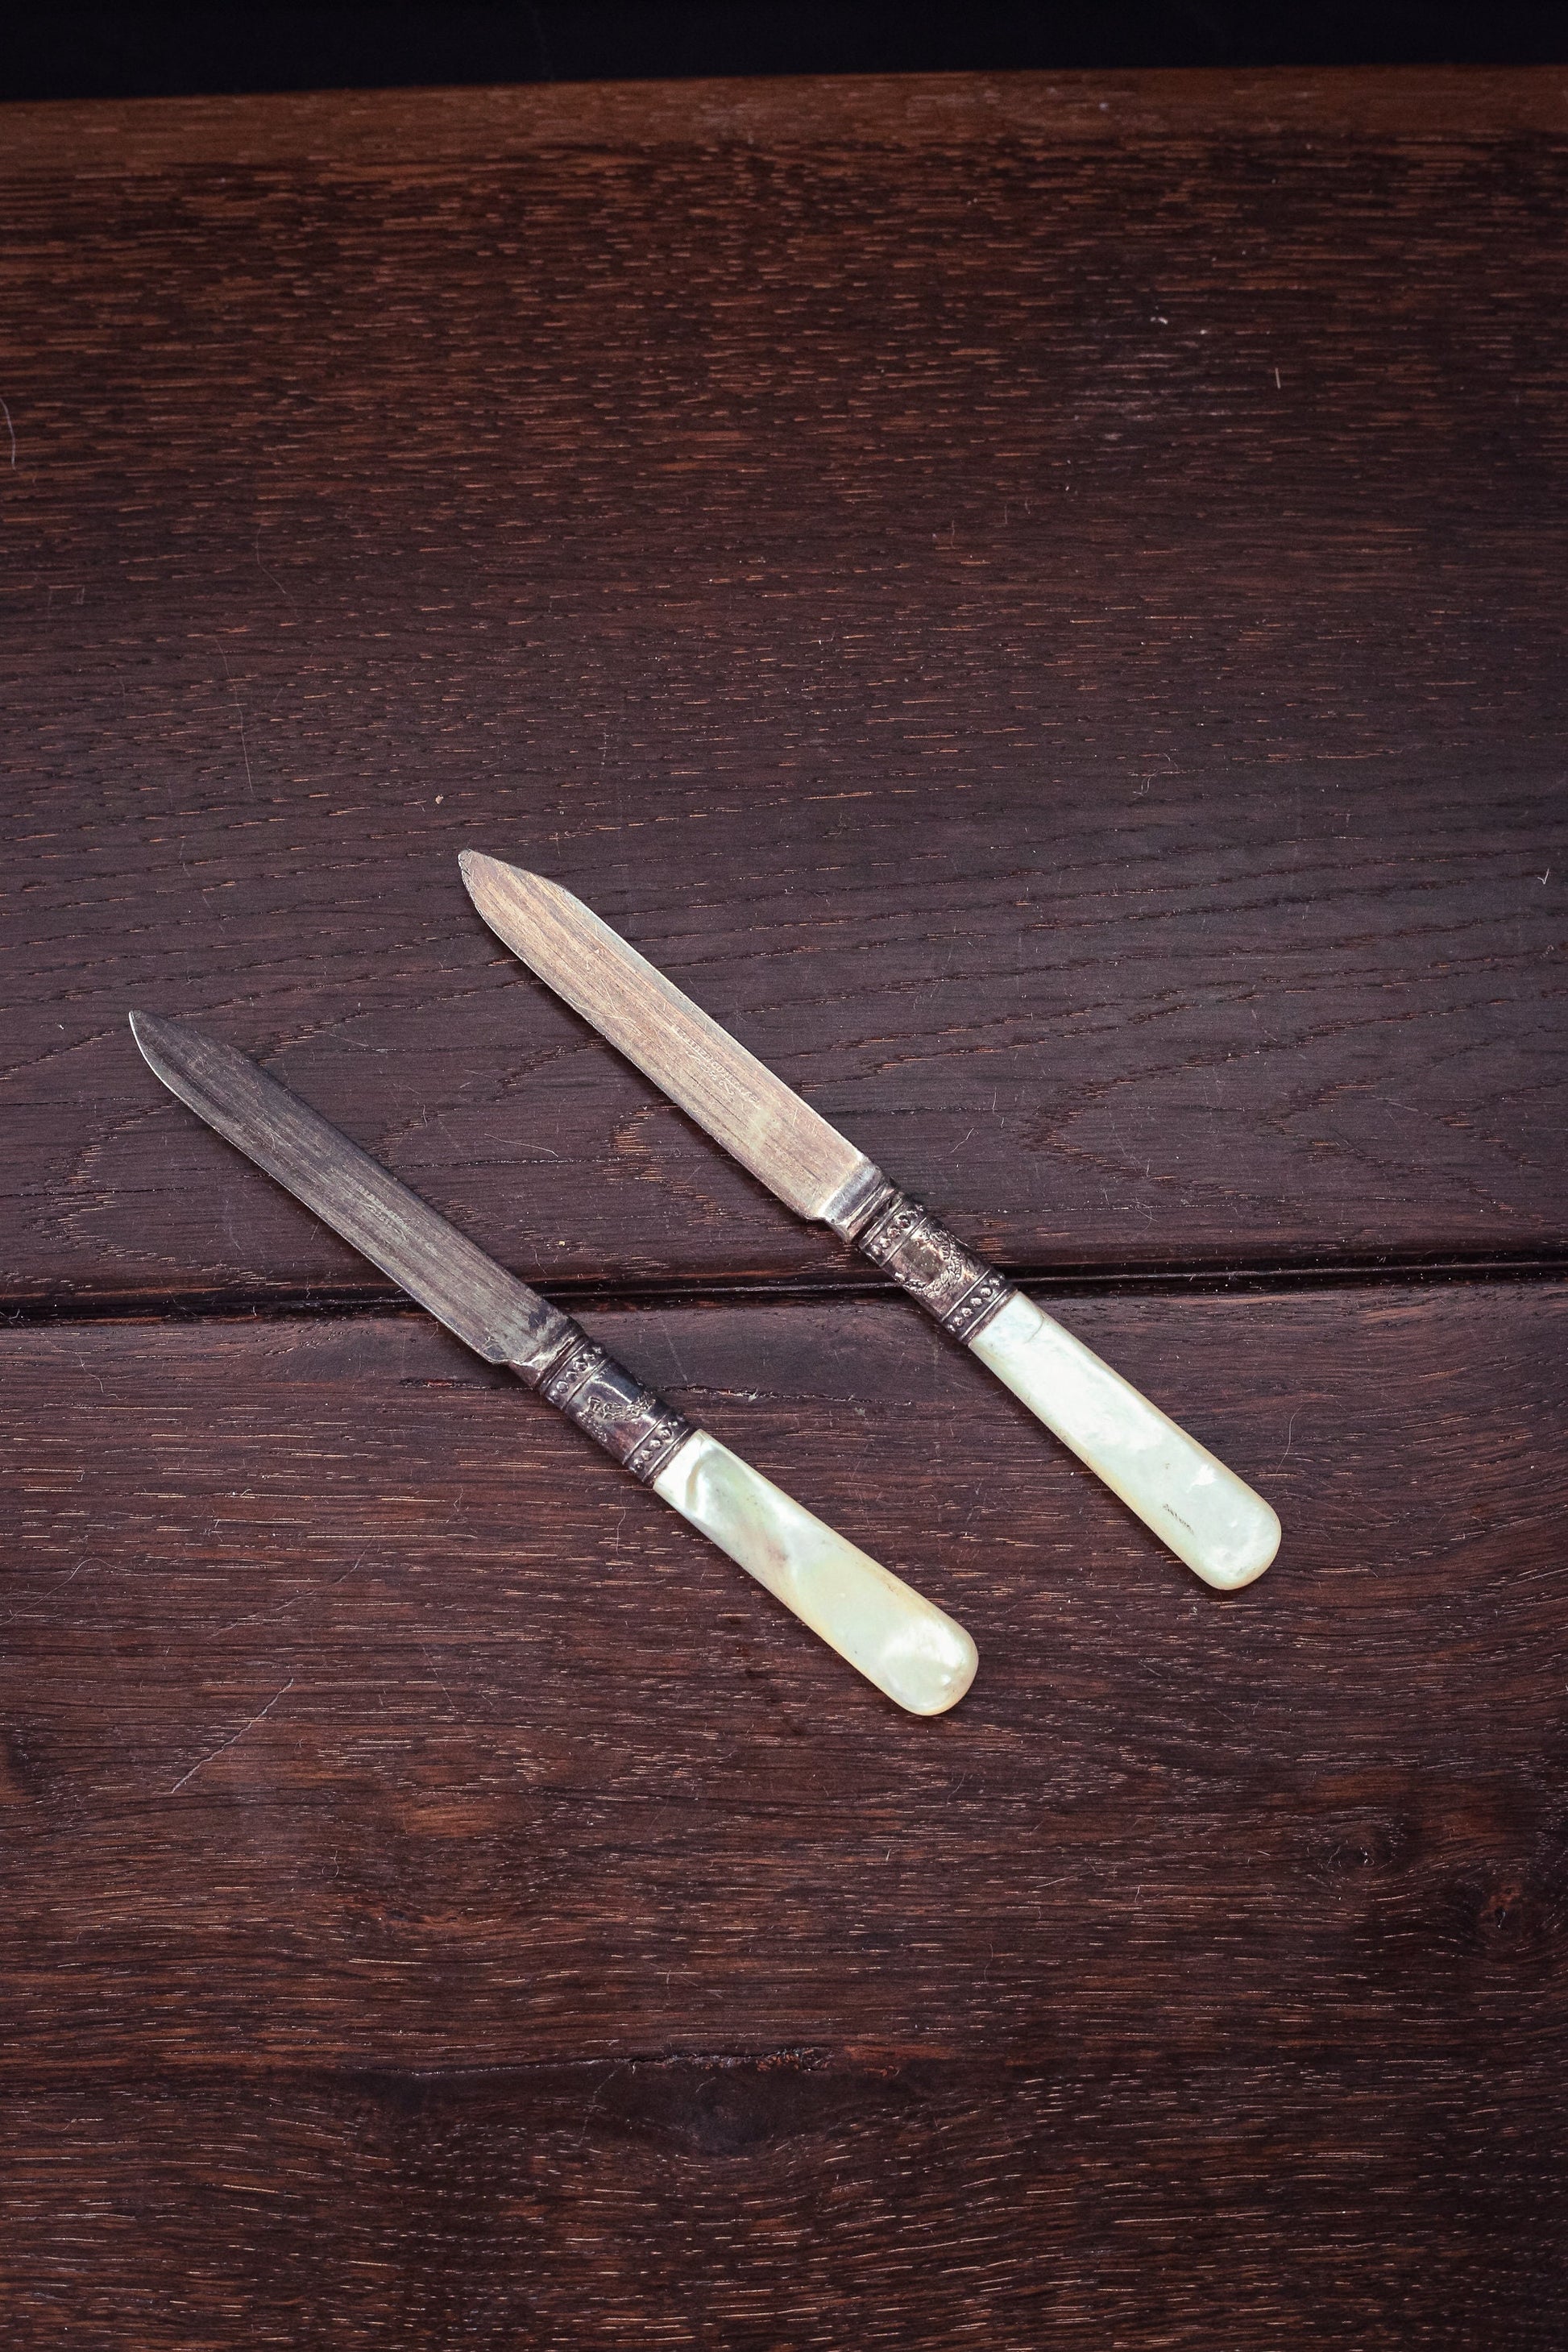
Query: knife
x=909, y=1648
x=1202, y=1511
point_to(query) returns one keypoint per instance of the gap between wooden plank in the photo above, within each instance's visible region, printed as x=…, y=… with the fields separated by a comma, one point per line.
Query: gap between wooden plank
x=1086, y=1282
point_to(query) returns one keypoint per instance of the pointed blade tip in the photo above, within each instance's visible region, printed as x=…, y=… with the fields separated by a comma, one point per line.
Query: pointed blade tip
x=169, y=1048
x=485, y=877
x=481, y=872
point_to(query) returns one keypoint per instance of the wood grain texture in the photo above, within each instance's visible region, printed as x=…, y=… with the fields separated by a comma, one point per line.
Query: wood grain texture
x=423, y=1851
x=354, y=131
x=1039, y=604
x=1041, y=608
x=802, y=2200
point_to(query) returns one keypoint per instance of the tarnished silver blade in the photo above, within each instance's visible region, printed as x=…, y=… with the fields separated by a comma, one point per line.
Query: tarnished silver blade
x=698, y=1064
x=495, y=1314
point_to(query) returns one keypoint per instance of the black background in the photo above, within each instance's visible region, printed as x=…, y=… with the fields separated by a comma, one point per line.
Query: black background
x=167, y=51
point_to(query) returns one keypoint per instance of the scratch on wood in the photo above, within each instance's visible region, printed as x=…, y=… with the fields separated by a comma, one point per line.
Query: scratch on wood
x=239, y=714
x=226, y=1745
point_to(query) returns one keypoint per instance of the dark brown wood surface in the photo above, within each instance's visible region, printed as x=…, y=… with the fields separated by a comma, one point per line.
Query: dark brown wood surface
x=1055, y=632
x=1041, y=605
x=390, y=1772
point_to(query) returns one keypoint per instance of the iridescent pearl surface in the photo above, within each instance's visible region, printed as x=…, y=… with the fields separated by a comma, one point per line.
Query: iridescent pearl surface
x=904, y=1643
x=1226, y=1533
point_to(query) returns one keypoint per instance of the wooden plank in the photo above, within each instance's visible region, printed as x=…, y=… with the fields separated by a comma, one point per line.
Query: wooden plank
x=389, y=130
x=442, y=1895
x=1378, y=2201
x=1059, y=647
x=363, y=1713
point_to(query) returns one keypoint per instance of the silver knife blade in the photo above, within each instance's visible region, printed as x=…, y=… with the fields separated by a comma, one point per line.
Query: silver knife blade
x=740, y=1101
x=490, y=1310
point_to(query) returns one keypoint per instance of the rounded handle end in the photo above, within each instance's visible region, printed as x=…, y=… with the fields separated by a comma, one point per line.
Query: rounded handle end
x=910, y=1649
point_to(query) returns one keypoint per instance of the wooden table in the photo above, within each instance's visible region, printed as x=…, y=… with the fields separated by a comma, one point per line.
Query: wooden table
x=1041, y=604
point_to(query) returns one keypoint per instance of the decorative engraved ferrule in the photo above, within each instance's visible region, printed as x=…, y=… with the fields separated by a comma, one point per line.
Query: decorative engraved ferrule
x=610, y=1406
x=899, y=1234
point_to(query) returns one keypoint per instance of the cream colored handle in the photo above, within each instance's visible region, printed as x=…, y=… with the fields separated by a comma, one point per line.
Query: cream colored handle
x=1224, y=1531
x=904, y=1644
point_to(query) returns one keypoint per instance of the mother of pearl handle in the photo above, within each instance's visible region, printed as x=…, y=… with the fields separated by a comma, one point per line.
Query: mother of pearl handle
x=1224, y=1531
x=900, y=1643
x=904, y=1644
x=1209, y=1518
